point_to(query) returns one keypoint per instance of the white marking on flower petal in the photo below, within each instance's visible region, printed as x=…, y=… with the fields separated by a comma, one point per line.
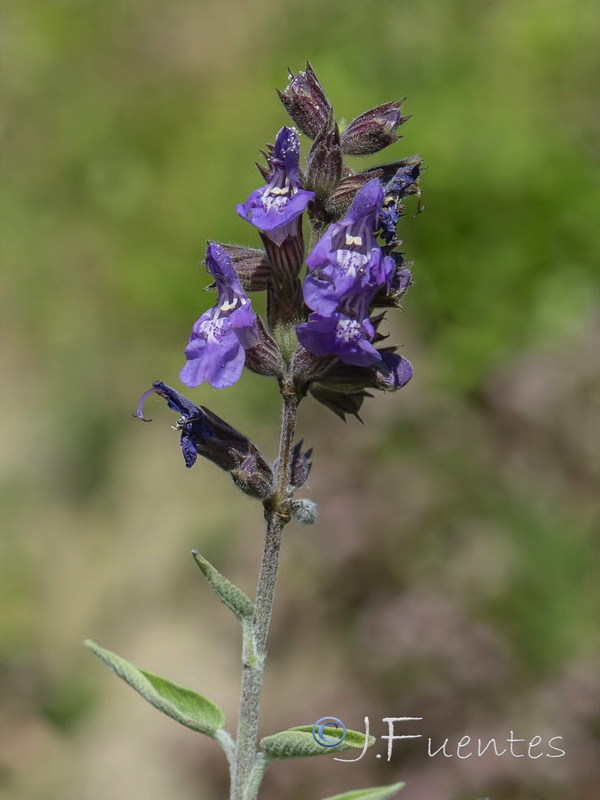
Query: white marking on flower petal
x=351, y=262
x=269, y=202
x=212, y=330
x=348, y=330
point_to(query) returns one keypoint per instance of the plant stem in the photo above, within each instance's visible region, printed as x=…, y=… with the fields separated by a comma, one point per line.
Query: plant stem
x=277, y=515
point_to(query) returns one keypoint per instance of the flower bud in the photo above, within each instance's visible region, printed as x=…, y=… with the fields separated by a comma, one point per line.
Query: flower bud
x=204, y=433
x=373, y=130
x=306, y=102
x=305, y=511
x=324, y=164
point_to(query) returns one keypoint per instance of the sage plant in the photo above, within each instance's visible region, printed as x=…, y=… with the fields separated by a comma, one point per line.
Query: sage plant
x=321, y=337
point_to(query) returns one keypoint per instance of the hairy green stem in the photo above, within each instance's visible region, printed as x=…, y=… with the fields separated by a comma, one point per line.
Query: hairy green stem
x=244, y=785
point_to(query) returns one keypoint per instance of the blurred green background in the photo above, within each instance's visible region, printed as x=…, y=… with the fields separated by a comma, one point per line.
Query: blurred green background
x=453, y=572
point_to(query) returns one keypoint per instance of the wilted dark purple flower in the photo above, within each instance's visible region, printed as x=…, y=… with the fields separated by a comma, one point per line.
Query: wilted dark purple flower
x=388, y=171
x=215, y=351
x=206, y=434
x=405, y=179
x=388, y=219
x=275, y=208
x=192, y=422
x=403, y=182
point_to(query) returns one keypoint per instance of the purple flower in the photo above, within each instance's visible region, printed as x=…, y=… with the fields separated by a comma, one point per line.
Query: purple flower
x=339, y=335
x=347, y=333
x=356, y=229
x=216, y=349
x=349, y=273
x=348, y=260
x=275, y=208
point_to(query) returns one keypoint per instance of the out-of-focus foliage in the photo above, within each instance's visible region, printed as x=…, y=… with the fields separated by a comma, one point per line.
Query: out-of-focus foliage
x=450, y=575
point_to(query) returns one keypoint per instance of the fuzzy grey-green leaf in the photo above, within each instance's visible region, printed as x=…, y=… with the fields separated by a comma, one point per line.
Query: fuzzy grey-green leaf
x=227, y=592
x=183, y=705
x=300, y=743
x=374, y=793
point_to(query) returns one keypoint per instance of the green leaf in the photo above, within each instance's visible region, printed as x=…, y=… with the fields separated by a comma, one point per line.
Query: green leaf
x=374, y=793
x=227, y=592
x=183, y=705
x=299, y=742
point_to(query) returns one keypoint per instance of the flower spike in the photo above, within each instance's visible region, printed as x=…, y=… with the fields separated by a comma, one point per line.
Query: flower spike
x=306, y=102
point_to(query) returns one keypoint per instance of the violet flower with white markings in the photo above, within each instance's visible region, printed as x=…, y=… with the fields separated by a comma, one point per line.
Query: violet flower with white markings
x=275, y=209
x=341, y=335
x=215, y=350
x=346, y=333
x=347, y=260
